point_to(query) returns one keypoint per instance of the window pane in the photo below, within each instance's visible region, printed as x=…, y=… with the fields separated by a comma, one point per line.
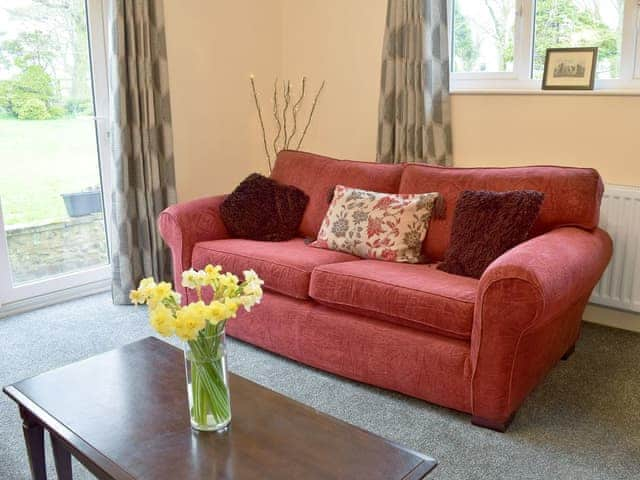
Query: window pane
x=50, y=187
x=580, y=23
x=483, y=32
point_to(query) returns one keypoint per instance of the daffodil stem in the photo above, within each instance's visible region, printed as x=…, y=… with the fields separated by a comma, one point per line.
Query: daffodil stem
x=209, y=391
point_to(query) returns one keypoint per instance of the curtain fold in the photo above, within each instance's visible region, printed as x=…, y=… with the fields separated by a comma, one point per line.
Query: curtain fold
x=414, y=113
x=141, y=143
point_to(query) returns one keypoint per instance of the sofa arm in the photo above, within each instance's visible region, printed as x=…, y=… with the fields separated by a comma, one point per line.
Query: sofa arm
x=185, y=224
x=528, y=314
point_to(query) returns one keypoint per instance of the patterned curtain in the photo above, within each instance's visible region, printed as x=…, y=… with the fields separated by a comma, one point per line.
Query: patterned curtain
x=141, y=142
x=414, y=115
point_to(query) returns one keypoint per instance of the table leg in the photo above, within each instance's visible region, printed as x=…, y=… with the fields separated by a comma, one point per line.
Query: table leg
x=62, y=458
x=34, y=441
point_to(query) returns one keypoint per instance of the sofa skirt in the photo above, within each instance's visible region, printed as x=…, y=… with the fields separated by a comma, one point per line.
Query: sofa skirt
x=417, y=363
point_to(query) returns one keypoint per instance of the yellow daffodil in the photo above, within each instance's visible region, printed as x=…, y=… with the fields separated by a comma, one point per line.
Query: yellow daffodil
x=194, y=278
x=251, y=290
x=168, y=317
x=251, y=276
x=221, y=311
x=232, y=307
x=182, y=331
x=227, y=285
x=197, y=312
x=146, y=285
x=201, y=325
x=212, y=273
x=189, y=321
x=162, y=320
x=158, y=293
x=137, y=297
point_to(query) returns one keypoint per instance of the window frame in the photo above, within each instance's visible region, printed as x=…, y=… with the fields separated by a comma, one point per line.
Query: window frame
x=634, y=33
x=520, y=81
x=69, y=285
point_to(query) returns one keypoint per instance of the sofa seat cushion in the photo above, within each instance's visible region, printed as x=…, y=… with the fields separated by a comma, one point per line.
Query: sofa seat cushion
x=285, y=267
x=418, y=296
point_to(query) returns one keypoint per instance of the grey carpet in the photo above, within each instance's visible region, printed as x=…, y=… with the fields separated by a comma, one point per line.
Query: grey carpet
x=583, y=422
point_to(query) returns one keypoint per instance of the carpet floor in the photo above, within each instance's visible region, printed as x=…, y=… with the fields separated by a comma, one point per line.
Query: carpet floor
x=583, y=422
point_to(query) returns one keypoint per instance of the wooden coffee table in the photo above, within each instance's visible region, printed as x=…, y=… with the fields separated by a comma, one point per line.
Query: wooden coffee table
x=123, y=414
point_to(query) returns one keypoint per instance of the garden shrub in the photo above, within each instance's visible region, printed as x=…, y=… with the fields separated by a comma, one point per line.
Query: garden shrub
x=5, y=95
x=79, y=106
x=29, y=95
x=34, y=79
x=56, y=111
x=32, y=109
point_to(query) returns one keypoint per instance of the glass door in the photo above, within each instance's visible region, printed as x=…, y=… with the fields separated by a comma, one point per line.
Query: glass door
x=53, y=147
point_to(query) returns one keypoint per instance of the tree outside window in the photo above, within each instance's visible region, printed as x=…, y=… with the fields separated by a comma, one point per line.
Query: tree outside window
x=483, y=33
x=44, y=68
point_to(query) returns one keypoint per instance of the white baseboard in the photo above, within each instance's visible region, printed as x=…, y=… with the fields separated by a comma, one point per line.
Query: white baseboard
x=60, y=296
x=612, y=317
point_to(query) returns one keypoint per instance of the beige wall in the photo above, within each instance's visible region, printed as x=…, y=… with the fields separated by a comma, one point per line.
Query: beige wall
x=591, y=131
x=341, y=42
x=213, y=46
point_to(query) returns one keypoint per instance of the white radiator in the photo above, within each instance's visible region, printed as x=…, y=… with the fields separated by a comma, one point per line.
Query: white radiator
x=619, y=286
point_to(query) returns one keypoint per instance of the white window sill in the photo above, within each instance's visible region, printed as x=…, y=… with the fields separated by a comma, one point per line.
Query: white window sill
x=523, y=91
x=507, y=84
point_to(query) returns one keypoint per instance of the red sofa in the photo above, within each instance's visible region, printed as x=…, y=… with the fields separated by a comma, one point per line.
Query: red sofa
x=477, y=346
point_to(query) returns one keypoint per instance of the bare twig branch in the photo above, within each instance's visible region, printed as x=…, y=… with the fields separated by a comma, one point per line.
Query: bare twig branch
x=286, y=89
x=296, y=107
x=313, y=108
x=264, y=133
x=283, y=137
x=276, y=115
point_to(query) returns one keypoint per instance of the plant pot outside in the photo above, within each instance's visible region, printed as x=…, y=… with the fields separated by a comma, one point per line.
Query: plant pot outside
x=79, y=204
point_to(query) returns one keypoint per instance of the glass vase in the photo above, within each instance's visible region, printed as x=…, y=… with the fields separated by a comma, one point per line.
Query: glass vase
x=207, y=382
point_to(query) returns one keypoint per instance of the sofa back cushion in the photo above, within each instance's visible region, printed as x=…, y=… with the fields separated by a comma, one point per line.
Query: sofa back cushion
x=571, y=195
x=317, y=176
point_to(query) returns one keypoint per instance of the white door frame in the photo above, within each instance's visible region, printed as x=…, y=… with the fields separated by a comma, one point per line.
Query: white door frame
x=71, y=285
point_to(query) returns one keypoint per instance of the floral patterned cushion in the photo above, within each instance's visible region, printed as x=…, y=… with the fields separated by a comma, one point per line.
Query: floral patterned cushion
x=377, y=225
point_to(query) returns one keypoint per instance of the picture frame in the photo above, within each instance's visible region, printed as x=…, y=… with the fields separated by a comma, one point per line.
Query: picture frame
x=570, y=68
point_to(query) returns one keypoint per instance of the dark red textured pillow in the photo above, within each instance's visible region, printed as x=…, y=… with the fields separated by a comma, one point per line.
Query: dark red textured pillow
x=487, y=224
x=262, y=209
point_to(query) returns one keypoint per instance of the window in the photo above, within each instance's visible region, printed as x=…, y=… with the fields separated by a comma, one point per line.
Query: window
x=53, y=147
x=501, y=44
x=484, y=36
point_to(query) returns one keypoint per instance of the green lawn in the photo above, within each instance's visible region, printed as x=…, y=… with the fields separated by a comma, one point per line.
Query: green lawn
x=41, y=159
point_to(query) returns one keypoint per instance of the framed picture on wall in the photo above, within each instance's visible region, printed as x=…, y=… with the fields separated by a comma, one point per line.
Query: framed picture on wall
x=570, y=68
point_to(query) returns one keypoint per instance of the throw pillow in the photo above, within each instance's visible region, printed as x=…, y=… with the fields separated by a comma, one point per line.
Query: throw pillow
x=262, y=209
x=376, y=225
x=486, y=225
